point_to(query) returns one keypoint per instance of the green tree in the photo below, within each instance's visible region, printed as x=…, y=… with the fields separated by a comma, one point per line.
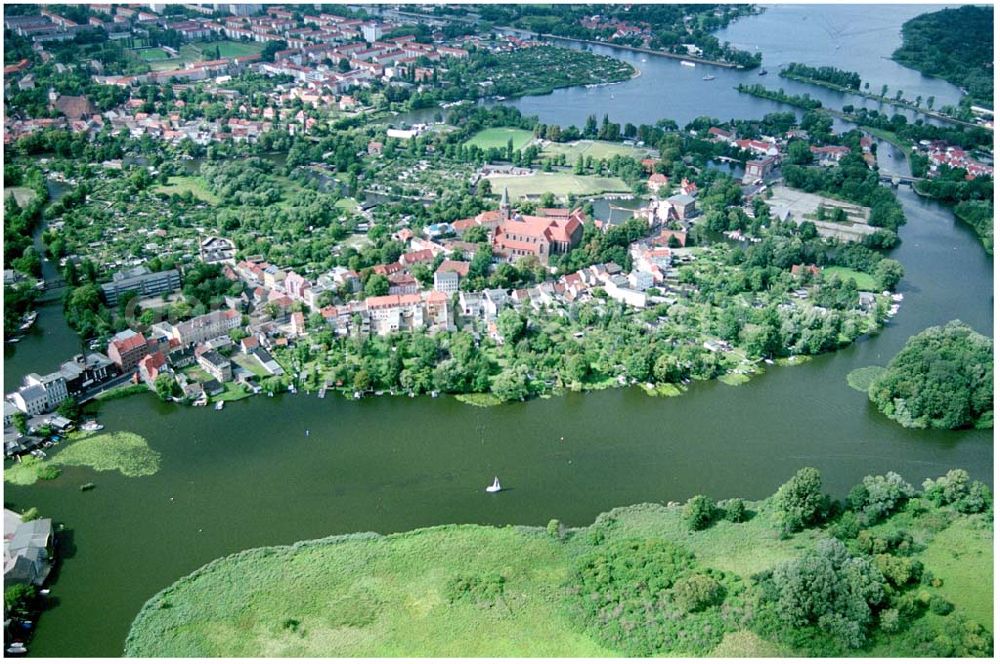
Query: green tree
x=20, y=421
x=888, y=272
x=879, y=496
x=827, y=590
x=19, y=599
x=511, y=325
x=69, y=408
x=166, y=386
x=942, y=378
x=800, y=501
x=699, y=512
x=377, y=284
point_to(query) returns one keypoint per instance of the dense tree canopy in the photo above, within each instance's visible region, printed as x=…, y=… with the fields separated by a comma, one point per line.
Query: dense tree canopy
x=942, y=378
x=955, y=44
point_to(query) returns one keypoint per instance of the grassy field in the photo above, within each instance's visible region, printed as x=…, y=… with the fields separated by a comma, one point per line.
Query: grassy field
x=227, y=49
x=865, y=281
x=560, y=184
x=595, y=149
x=375, y=596
x=961, y=555
x=497, y=137
x=368, y=595
x=153, y=54
x=23, y=195
x=181, y=184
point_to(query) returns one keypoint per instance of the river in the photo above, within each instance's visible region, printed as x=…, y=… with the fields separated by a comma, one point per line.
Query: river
x=835, y=35
x=249, y=476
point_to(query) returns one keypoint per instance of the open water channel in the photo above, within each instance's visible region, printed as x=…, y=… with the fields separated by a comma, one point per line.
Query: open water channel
x=248, y=476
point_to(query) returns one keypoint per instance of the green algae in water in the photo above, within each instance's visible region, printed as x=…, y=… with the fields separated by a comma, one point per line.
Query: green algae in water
x=861, y=379
x=128, y=453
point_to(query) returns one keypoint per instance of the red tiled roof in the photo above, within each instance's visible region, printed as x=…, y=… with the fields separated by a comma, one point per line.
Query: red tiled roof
x=459, y=267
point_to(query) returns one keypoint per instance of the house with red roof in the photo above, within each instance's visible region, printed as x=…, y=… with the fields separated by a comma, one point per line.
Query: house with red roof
x=656, y=181
x=799, y=269
x=151, y=366
x=449, y=274
x=126, y=349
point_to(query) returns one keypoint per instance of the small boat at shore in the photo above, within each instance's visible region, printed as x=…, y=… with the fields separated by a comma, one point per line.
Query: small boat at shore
x=687, y=63
x=762, y=72
x=220, y=405
x=16, y=649
x=28, y=320
x=709, y=77
x=91, y=425
x=495, y=487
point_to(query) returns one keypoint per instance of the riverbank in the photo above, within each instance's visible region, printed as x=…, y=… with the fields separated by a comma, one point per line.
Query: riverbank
x=468, y=590
x=634, y=49
x=896, y=103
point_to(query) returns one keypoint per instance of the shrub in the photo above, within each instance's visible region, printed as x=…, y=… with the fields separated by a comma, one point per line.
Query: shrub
x=898, y=571
x=897, y=540
x=699, y=513
x=733, y=510
x=554, y=529
x=623, y=594
x=477, y=588
x=941, y=606
x=697, y=592
x=888, y=621
x=847, y=527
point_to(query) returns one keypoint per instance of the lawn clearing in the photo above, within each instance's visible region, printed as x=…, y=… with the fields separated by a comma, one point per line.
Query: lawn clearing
x=153, y=54
x=227, y=49
x=961, y=556
x=22, y=195
x=595, y=149
x=182, y=184
x=865, y=281
x=497, y=137
x=559, y=184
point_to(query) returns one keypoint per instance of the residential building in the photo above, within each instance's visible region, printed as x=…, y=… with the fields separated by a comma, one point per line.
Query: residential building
x=215, y=364
x=54, y=385
x=449, y=274
x=759, y=169
x=150, y=368
x=27, y=549
x=126, y=349
x=30, y=400
x=202, y=328
x=85, y=373
x=683, y=206
x=217, y=250
x=141, y=281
